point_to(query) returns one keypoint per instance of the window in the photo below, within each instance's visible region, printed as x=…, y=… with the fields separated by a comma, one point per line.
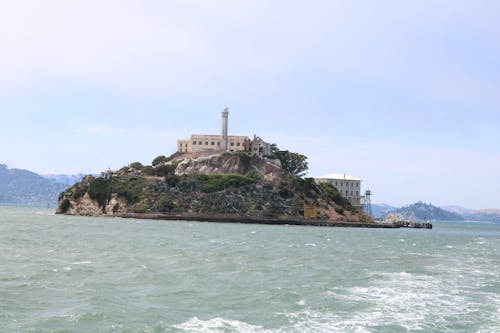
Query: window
x=206, y=143
x=238, y=144
x=212, y=143
x=194, y=143
x=335, y=183
x=352, y=193
x=232, y=144
x=357, y=193
x=199, y=142
x=186, y=145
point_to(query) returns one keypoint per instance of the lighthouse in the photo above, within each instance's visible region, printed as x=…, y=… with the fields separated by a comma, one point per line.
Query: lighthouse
x=224, y=137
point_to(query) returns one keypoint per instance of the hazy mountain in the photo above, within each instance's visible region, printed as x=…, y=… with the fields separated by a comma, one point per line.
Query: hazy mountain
x=457, y=209
x=24, y=187
x=487, y=215
x=64, y=179
x=381, y=210
x=421, y=211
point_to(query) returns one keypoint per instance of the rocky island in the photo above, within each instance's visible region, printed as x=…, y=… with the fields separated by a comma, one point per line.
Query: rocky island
x=223, y=187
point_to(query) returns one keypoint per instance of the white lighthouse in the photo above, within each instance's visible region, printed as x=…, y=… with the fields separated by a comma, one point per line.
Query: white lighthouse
x=224, y=139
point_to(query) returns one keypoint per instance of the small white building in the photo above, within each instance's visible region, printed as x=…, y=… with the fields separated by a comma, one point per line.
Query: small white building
x=348, y=186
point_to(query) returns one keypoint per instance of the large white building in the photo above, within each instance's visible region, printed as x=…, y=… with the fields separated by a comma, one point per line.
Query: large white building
x=224, y=142
x=348, y=186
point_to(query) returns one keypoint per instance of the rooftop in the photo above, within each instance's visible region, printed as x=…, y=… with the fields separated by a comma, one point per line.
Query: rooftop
x=340, y=176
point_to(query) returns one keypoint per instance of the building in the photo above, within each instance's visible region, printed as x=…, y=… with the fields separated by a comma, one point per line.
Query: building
x=224, y=142
x=348, y=186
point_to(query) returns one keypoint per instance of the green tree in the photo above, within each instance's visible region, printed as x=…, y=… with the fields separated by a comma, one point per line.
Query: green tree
x=294, y=163
x=136, y=165
x=159, y=160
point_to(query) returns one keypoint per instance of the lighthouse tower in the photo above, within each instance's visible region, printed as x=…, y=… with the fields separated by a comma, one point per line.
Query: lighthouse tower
x=224, y=138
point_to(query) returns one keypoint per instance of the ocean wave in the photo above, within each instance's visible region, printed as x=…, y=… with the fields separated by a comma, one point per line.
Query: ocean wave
x=195, y=325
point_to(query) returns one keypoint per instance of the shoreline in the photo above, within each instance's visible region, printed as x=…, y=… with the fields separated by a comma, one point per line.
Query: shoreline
x=253, y=220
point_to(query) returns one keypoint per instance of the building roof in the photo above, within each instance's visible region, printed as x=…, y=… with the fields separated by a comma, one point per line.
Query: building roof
x=337, y=176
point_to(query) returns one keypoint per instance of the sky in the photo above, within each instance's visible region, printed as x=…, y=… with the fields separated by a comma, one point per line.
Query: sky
x=402, y=94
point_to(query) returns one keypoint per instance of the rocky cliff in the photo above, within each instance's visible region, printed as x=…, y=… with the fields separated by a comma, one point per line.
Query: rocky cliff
x=220, y=185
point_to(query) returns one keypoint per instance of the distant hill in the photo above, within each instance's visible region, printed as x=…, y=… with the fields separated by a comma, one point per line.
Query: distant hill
x=486, y=215
x=420, y=211
x=457, y=209
x=381, y=210
x=24, y=187
x=64, y=179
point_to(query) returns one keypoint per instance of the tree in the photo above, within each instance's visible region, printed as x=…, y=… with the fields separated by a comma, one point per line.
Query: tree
x=136, y=165
x=159, y=160
x=294, y=163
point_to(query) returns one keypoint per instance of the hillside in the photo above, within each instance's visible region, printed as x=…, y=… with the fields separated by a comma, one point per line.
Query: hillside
x=483, y=215
x=381, y=210
x=24, y=187
x=218, y=185
x=421, y=211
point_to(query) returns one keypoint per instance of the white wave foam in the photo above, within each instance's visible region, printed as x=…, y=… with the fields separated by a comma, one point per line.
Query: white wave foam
x=196, y=325
x=82, y=262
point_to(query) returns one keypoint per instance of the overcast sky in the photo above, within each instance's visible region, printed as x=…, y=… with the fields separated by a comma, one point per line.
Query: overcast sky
x=403, y=94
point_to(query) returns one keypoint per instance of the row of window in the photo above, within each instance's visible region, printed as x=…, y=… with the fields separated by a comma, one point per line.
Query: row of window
x=212, y=143
x=347, y=184
x=352, y=193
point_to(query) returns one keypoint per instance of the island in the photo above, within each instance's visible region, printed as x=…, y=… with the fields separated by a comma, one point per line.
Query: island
x=219, y=187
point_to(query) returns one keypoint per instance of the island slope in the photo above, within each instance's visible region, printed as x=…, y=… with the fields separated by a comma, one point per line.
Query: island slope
x=211, y=187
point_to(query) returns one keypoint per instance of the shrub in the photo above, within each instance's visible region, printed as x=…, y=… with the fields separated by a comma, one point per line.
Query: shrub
x=171, y=180
x=65, y=205
x=159, y=160
x=166, y=206
x=79, y=192
x=215, y=183
x=164, y=170
x=128, y=186
x=137, y=165
x=99, y=190
x=148, y=170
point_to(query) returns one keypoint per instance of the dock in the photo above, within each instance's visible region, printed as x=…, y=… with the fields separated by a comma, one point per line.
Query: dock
x=416, y=225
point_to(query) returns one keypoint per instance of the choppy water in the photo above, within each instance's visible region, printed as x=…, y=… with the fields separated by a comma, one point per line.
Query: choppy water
x=77, y=274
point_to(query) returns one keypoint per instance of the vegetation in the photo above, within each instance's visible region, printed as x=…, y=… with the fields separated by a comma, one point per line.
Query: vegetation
x=159, y=160
x=99, y=190
x=136, y=165
x=157, y=189
x=295, y=163
x=65, y=205
x=214, y=183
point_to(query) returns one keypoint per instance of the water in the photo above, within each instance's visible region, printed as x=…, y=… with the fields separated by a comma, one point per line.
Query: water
x=78, y=274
